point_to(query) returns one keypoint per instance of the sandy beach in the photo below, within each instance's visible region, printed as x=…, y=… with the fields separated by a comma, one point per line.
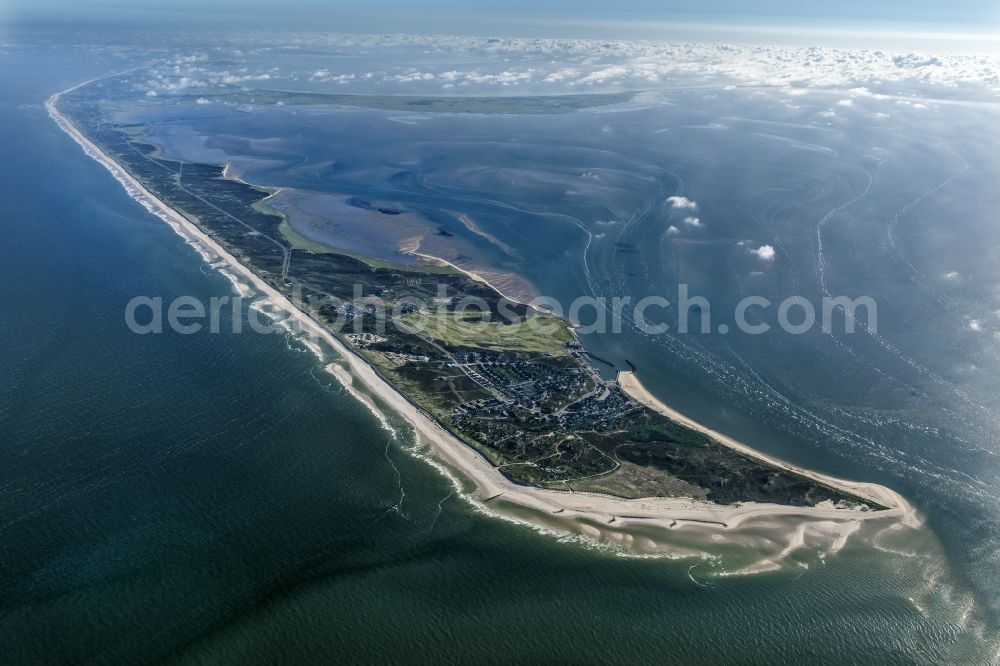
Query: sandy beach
x=629, y=383
x=522, y=294
x=598, y=517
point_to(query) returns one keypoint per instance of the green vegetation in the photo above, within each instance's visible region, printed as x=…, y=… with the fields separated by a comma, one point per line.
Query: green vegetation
x=541, y=334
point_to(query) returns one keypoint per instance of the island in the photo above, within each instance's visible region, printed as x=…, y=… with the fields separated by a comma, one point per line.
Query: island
x=519, y=392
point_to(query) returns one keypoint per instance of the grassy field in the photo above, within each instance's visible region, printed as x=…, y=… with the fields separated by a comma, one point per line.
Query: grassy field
x=540, y=333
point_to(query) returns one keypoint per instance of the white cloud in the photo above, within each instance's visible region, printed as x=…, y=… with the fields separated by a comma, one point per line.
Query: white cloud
x=976, y=325
x=682, y=202
x=324, y=76
x=564, y=74
x=764, y=252
x=845, y=102
x=952, y=276
x=592, y=63
x=692, y=221
x=672, y=230
x=233, y=79
x=183, y=74
x=433, y=62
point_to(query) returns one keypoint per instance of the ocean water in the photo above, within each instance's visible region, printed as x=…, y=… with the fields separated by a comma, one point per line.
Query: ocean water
x=221, y=499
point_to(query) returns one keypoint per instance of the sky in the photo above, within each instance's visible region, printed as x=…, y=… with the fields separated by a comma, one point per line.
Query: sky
x=972, y=25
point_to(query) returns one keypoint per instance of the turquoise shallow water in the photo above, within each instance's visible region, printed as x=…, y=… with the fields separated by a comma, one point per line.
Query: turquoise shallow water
x=218, y=499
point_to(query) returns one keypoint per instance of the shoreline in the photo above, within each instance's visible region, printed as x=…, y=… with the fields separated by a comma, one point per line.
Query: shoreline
x=630, y=384
x=597, y=517
x=476, y=277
